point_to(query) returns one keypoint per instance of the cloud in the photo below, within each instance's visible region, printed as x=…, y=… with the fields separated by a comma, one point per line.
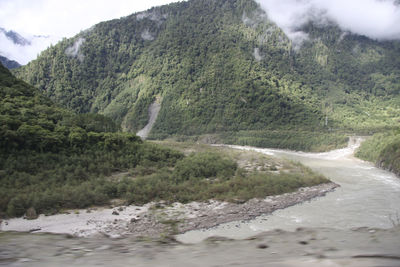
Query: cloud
x=65, y=18
x=146, y=35
x=257, y=55
x=24, y=53
x=58, y=19
x=377, y=19
x=74, y=50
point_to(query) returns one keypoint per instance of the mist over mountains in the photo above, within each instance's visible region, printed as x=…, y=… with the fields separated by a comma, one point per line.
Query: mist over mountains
x=23, y=49
x=372, y=18
x=15, y=37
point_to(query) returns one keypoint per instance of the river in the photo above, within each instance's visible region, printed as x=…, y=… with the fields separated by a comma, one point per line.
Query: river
x=367, y=197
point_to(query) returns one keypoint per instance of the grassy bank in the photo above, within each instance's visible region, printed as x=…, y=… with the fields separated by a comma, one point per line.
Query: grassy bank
x=300, y=140
x=383, y=149
x=288, y=139
x=220, y=173
x=72, y=178
x=141, y=172
x=256, y=175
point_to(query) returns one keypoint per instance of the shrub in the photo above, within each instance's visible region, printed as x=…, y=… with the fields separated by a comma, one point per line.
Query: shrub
x=204, y=165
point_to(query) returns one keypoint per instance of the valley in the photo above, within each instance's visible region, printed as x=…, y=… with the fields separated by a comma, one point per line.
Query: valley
x=201, y=61
x=345, y=234
x=205, y=127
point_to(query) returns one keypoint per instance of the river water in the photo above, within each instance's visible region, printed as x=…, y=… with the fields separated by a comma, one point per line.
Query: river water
x=367, y=197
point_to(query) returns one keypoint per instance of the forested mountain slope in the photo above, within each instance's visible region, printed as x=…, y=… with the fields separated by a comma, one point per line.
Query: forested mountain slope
x=52, y=159
x=223, y=67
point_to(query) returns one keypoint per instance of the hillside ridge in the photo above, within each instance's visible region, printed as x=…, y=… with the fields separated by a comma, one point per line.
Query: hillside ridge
x=223, y=67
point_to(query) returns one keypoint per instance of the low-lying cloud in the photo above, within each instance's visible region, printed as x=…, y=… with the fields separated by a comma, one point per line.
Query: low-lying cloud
x=376, y=19
x=74, y=50
x=146, y=35
x=24, y=53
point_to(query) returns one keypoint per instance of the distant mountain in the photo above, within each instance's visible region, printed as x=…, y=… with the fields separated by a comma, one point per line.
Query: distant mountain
x=23, y=49
x=15, y=37
x=9, y=64
x=223, y=68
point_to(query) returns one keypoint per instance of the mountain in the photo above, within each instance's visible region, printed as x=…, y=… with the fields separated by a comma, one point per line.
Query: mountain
x=223, y=68
x=51, y=158
x=15, y=37
x=32, y=121
x=9, y=64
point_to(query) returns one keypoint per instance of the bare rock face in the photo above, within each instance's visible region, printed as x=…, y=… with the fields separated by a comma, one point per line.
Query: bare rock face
x=154, y=109
x=31, y=214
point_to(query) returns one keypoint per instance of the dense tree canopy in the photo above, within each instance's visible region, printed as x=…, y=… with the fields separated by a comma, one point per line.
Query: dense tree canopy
x=52, y=159
x=222, y=66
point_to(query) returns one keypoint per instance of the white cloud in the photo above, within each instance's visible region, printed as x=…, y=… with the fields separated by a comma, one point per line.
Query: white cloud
x=66, y=18
x=74, y=50
x=24, y=54
x=377, y=19
x=146, y=35
x=58, y=19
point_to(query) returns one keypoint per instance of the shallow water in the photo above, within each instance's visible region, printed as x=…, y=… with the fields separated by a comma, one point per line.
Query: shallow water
x=368, y=197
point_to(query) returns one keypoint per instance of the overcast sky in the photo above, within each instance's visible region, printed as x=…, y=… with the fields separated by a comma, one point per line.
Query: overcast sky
x=377, y=19
x=66, y=18
x=58, y=19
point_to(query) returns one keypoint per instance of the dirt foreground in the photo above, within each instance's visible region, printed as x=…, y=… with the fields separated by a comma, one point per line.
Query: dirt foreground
x=304, y=247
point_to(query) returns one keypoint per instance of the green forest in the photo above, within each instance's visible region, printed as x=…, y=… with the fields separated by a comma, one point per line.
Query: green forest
x=52, y=160
x=222, y=67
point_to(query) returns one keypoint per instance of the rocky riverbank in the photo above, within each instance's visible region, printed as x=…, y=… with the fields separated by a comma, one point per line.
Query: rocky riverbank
x=157, y=220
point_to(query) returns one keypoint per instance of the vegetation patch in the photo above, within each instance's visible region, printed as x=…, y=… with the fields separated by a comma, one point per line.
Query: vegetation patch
x=224, y=174
x=315, y=141
x=383, y=149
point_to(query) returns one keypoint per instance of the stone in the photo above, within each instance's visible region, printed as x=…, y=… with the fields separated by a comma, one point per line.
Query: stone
x=133, y=220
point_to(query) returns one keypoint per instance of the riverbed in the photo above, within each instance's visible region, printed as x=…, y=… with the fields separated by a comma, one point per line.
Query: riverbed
x=367, y=197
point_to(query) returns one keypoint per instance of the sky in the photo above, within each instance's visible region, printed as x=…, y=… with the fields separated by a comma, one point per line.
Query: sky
x=58, y=19
x=377, y=19
x=66, y=17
